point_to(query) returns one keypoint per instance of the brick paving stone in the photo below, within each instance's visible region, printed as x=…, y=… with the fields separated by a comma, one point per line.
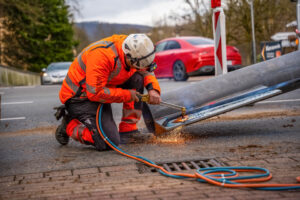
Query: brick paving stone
x=15, y=197
x=58, y=173
x=114, y=190
x=72, y=196
x=98, y=176
x=120, y=196
x=294, y=156
x=7, y=179
x=118, y=168
x=122, y=173
x=85, y=171
x=36, y=180
x=37, y=186
x=193, y=193
x=7, y=187
x=182, y=190
x=142, y=192
x=291, y=194
x=160, y=196
x=99, y=194
x=131, y=187
x=286, y=198
x=125, y=182
x=124, y=198
x=234, y=163
x=229, y=192
x=223, y=159
x=254, y=163
x=29, y=176
x=265, y=193
x=100, y=197
x=224, y=198
x=53, y=194
x=270, y=195
x=103, y=191
x=280, y=160
x=63, y=178
x=123, y=193
x=15, y=188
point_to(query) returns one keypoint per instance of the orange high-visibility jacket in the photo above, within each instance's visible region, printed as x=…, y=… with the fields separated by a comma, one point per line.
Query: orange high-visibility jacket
x=98, y=69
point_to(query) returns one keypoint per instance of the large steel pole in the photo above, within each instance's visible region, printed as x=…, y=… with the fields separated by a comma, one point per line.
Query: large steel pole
x=266, y=73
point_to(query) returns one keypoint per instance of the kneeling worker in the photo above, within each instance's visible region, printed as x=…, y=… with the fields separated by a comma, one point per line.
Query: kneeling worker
x=111, y=70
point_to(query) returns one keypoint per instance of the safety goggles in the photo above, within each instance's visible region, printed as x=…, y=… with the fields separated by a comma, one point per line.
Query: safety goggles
x=149, y=68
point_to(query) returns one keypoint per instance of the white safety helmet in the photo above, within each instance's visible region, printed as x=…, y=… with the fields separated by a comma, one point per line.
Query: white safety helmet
x=140, y=50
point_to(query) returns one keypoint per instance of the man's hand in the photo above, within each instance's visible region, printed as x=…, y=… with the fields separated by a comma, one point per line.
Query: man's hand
x=133, y=96
x=154, y=97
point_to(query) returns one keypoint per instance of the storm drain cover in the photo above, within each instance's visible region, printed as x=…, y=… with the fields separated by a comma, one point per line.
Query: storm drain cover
x=178, y=166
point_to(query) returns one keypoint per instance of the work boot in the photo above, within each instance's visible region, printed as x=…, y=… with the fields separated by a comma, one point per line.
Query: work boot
x=61, y=134
x=128, y=137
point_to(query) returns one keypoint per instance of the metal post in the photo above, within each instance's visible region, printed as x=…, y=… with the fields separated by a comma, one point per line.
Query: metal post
x=253, y=32
x=1, y=38
x=219, y=37
x=298, y=20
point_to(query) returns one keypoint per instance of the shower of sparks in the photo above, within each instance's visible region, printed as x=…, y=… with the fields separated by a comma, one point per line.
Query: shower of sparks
x=176, y=136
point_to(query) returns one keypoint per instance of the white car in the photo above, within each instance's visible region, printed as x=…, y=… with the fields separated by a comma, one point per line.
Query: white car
x=55, y=73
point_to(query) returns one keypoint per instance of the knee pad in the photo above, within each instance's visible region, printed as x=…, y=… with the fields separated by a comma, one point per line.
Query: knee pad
x=79, y=132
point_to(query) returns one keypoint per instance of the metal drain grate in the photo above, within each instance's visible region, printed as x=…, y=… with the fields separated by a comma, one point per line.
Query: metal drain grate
x=183, y=165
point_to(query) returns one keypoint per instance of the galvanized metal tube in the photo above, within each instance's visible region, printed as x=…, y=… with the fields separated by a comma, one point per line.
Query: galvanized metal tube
x=266, y=73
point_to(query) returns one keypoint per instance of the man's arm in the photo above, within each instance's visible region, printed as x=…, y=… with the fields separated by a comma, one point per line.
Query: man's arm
x=152, y=85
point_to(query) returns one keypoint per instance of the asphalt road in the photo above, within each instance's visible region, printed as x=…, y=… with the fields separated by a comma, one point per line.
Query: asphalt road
x=38, y=151
x=24, y=108
x=27, y=143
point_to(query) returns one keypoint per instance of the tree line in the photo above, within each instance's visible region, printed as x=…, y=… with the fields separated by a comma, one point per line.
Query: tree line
x=35, y=33
x=270, y=16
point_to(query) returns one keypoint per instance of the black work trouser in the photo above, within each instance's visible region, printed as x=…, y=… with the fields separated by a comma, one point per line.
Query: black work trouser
x=85, y=111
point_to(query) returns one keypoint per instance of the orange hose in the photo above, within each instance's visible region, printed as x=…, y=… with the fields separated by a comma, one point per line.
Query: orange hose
x=240, y=182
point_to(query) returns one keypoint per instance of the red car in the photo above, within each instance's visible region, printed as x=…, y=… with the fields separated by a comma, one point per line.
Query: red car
x=181, y=57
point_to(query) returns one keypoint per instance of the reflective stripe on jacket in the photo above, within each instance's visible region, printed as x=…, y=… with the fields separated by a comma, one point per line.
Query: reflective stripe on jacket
x=98, y=69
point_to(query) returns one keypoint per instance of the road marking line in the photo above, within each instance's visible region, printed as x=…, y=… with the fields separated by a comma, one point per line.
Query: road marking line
x=22, y=102
x=16, y=87
x=12, y=118
x=20, y=87
x=279, y=101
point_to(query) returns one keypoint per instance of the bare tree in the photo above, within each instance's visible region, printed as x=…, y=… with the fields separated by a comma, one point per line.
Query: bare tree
x=271, y=16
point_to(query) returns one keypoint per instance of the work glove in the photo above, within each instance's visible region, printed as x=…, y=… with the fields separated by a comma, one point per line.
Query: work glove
x=154, y=97
x=133, y=96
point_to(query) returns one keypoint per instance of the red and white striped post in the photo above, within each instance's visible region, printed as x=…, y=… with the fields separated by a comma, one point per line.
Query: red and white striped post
x=219, y=37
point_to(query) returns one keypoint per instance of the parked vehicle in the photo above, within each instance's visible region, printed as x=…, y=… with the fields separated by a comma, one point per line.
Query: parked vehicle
x=181, y=57
x=55, y=73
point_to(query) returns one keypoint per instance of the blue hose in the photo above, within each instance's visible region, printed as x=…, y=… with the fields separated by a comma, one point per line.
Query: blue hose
x=225, y=171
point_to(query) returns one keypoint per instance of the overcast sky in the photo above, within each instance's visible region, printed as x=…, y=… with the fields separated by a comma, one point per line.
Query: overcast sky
x=145, y=12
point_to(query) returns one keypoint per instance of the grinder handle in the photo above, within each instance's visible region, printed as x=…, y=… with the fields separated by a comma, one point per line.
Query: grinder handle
x=143, y=97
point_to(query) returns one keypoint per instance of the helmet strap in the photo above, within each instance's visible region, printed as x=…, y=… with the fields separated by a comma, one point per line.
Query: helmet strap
x=146, y=56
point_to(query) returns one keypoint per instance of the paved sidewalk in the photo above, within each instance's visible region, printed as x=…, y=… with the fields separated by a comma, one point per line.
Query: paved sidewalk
x=130, y=182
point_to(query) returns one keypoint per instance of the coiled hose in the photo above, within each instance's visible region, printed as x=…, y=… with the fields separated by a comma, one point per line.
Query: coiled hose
x=220, y=176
